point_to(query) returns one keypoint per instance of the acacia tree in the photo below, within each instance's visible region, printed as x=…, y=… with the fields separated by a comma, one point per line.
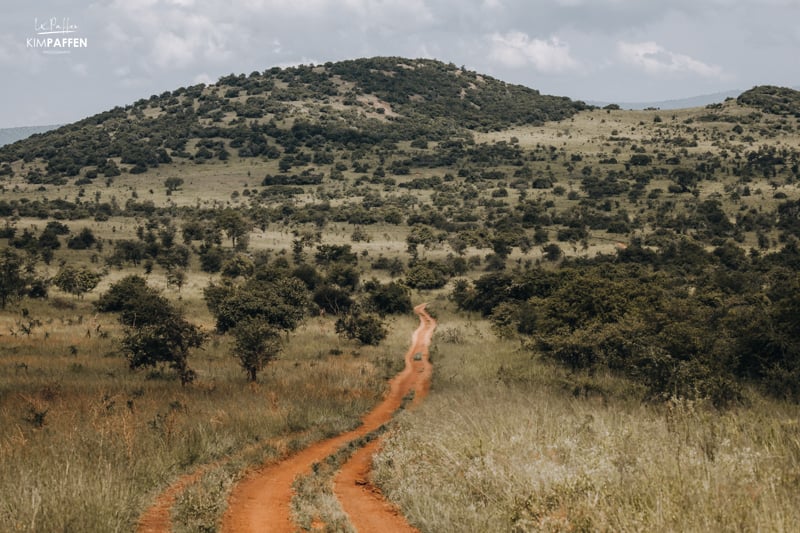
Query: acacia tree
x=257, y=343
x=156, y=332
x=256, y=312
x=77, y=281
x=234, y=225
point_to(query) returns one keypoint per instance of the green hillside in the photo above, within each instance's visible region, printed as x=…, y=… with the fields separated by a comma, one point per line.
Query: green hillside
x=771, y=99
x=359, y=102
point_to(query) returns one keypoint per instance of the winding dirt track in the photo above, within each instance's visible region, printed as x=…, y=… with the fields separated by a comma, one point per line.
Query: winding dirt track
x=156, y=518
x=261, y=502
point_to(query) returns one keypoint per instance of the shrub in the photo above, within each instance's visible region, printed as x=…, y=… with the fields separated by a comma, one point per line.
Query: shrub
x=367, y=328
x=391, y=298
x=257, y=343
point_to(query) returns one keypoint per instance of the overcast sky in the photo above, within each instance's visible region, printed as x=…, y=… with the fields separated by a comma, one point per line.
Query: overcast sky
x=607, y=50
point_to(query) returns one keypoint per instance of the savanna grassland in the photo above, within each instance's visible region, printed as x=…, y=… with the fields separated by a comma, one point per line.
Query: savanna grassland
x=219, y=275
x=509, y=442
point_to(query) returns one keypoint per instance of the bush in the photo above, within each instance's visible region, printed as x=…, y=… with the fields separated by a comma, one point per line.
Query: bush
x=82, y=241
x=367, y=328
x=426, y=275
x=122, y=294
x=333, y=299
x=392, y=298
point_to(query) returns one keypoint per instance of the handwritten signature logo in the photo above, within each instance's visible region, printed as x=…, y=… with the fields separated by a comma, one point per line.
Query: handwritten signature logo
x=53, y=36
x=54, y=25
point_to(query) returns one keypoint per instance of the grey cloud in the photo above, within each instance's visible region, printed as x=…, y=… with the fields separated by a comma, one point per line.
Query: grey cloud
x=569, y=47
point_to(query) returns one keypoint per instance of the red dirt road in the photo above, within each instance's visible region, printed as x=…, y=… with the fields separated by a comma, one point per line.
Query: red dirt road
x=157, y=518
x=261, y=502
x=363, y=503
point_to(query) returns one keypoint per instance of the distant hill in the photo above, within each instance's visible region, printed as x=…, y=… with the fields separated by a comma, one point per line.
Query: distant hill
x=771, y=99
x=11, y=135
x=351, y=104
x=683, y=103
x=356, y=102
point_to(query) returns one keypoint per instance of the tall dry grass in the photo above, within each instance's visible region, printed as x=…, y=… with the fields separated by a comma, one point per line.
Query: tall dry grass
x=507, y=443
x=85, y=444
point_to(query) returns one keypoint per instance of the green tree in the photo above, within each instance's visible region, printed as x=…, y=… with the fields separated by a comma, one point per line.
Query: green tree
x=257, y=343
x=77, y=281
x=176, y=277
x=122, y=293
x=127, y=250
x=552, y=252
x=333, y=299
x=335, y=253
x=84, y=240
x=12, y=278
x=173, y=184
x=156, y=332
x=238, y=266
x=426, y=275
x=367, y=328
x=282, y=302
x=168, y=341
x=391, y=298
x=234, y=225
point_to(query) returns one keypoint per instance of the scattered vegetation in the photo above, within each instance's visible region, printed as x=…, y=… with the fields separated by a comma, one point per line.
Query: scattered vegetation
x=547, y=449
x=260, y=239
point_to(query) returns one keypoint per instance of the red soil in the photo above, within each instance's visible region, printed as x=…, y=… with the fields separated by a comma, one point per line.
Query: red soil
x=261, y=502
x=157, y=517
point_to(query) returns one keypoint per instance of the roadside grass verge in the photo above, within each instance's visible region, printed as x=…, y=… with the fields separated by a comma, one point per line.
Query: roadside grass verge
x=505, y=442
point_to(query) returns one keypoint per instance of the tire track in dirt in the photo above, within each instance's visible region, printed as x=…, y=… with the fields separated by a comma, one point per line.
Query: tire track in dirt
x=262, y=501
x=158, y=517
x=365, y=506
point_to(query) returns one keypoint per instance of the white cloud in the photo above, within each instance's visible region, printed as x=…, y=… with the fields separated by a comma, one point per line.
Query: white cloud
x=81, y=69
x=302, y=61
x=516, y=49
x=655, y=59
x=170, y=50
x=203, y=77
x=424, y=53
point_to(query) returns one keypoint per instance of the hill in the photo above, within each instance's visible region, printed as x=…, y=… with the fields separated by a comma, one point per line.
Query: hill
x=775, y=100
x=359, y=102
x=679, y=103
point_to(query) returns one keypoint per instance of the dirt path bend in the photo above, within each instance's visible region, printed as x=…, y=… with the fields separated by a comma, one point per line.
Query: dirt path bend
x=261, y=502
x=157, y=517
x=365, y=506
